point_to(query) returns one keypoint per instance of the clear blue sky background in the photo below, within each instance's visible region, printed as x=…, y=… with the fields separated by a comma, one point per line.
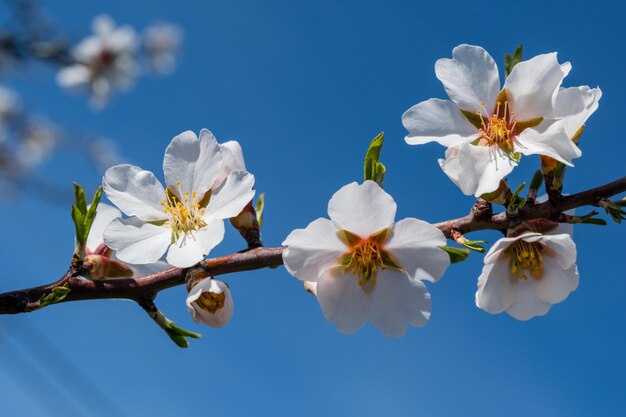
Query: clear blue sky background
x=304, y=85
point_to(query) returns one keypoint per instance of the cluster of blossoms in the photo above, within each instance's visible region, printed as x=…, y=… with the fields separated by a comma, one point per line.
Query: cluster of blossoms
x=362, y=264
x=110, y=58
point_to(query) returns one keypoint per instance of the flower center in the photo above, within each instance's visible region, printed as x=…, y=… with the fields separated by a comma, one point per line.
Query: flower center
x=211, y=301
x=497, y=128
x=366, y=256
x=183, y=216
x=526, y=256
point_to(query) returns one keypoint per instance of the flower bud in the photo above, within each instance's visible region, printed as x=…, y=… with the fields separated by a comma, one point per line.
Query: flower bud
x=101, y=267
x=210, y=302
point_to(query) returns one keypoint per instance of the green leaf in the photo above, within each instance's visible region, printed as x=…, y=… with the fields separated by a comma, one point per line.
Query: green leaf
x=79, y=224
x=475, y=245
x=536, y=181
x=373, y=169
x=589, y=219
x=516, y=202
x=91, y=212
x=511, y=60
x=56, y=295
x=456, y=254
x=258, y=208
x=80, y=200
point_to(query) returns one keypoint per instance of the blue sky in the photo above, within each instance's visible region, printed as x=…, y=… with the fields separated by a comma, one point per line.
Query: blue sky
x=304, y=86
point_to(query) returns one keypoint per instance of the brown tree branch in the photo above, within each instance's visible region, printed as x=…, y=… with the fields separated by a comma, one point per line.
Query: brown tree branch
x=142, y=288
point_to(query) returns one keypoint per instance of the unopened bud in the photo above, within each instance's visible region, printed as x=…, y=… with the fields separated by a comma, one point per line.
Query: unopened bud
x=247, y=225
x=100, y=267
x=210, y=302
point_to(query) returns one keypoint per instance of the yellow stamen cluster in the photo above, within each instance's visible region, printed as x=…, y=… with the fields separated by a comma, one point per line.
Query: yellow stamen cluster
x=211, y=301
x=498, y=128
x=365, y=261
x=366, y=256
x=183, y=216
x=526, y=256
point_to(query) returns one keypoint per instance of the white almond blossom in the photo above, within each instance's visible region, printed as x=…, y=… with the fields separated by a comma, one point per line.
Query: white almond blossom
x=104, y=61
x=365, y=266
x=486, y=127
x=527, y=274
x=185, y=219
x=210, y=302
x=98, y=255
x=161, y=42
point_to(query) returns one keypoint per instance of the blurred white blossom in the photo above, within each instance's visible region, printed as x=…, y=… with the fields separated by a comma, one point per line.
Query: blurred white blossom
x=161, y=43
x=104, y=61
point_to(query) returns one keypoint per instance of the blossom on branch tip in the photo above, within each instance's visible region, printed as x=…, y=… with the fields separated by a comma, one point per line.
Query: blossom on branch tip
x=104, y=61
x=210, y=302
x=184, y=219
x=487, y=128
x=362, y=265
x=527, y=274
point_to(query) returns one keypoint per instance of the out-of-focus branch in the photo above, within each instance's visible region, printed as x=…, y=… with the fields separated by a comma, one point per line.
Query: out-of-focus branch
x=146, y=287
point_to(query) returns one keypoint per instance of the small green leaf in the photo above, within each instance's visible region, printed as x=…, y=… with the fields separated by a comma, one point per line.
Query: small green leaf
x=91, y=212
x=516, y=202
x=536, y=181
x=511, y=60
x=79, y=224
x=456, y=254
x=80, y=200
x=589, y=219
x=475, y=245
x=56, y=295
x=373, y=169
x=258, y=208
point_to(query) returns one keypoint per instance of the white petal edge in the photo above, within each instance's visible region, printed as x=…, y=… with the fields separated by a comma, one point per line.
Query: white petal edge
x=549, y=139
x=415, y=244
x=312, y=251
x=104, y=215
x=134, y=191
x=362, y=209
x=343, y=301
x=231, y=197
x=438, y=121
x=470, y=78
x=135, y=241
x=398, y=301
x=192, y=161
x=192, y=247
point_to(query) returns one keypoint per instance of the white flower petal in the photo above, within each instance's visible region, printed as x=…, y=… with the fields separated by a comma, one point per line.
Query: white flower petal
x=193, y=162
x=192, y=247
x=549, y=139
x=221, y=316
x=415, y=244
x=470, y=77
x=563, y=248
x=343, y=301
x=362, y=209
x=104, y=215
x=556, y=283
x=137, y=242
x=232, y=160
x=148, y=269
x=231, y=197
x=575, y=105
x=311, y=251
x=532, y=86
x=477, y=169
x=398, y=301
x=496, y=288
x=74, y=76
x=527, y=305
x=437, y=120
x=134, y=191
